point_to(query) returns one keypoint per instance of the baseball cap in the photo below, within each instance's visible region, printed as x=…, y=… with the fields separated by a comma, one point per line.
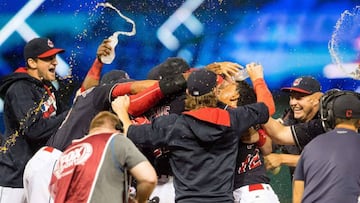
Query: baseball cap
x=170, y=67
x=40, y=48
x=115, y=76
x=304, y=84
x=201, y=82
x=347, y=106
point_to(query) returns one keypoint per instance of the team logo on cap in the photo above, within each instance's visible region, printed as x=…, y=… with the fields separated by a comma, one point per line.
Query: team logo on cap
x=196, y=93
x=297, y=82
x=348, y=113
x=50, y=43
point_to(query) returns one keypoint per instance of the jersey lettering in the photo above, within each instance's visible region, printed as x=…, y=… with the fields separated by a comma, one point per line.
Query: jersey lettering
x=251, y=161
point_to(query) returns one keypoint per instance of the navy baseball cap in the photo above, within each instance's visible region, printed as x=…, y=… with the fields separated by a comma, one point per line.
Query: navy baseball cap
x=305, y=84
x=201, y=82
x=347, y=106
x=170, y=67
x=40, y=48
x=115, y=76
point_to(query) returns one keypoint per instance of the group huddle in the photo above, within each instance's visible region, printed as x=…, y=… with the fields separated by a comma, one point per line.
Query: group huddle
x=181, y=135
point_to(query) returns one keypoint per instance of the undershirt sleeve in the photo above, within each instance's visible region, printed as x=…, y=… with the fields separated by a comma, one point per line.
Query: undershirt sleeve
x=263, y=94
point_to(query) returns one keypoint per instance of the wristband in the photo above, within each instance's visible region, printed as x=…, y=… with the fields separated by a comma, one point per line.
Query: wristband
x=262, y=137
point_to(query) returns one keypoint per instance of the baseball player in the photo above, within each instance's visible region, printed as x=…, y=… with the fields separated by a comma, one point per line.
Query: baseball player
x=202, y=141
x=33, y=110
x=37, y=174
x=251, y=181
x=304, y=98
x=93, y=100
x=174, y=103
x=303, y=120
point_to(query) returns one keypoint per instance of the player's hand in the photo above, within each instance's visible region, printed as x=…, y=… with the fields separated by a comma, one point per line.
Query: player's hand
x=104, y=49
x=272, y=161
x=121, y=105
x=226, y=69
x=255, y=71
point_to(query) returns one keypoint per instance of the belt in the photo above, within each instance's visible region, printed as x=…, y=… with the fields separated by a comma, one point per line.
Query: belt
x=258, y=186
x=49, y=149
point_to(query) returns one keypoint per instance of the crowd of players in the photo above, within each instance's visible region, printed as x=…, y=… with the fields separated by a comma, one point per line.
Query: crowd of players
x=182, y=135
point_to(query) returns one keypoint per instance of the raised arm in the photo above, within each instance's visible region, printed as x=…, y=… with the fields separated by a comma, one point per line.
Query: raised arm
x=154, y=91
x=263, y=93
x=93, y=75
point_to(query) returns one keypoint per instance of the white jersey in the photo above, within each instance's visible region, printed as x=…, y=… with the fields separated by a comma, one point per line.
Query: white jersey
x=37, y=175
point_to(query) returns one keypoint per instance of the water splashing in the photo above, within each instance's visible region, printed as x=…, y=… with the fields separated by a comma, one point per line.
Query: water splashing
x=132, y=32
x=344, y=46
